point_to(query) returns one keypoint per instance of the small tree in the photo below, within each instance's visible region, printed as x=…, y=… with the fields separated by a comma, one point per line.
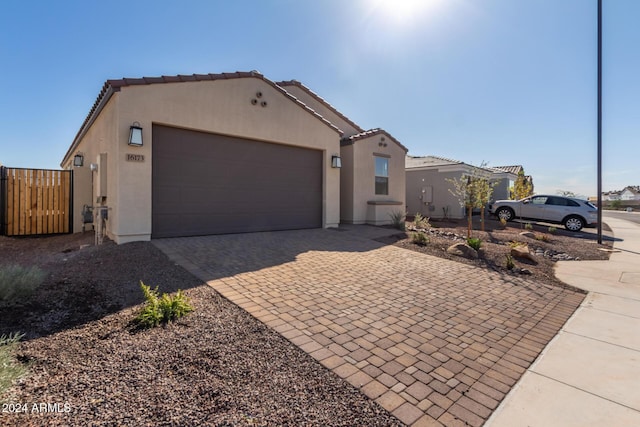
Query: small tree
x=483, y=193
x=473, y=191
x=522, y=187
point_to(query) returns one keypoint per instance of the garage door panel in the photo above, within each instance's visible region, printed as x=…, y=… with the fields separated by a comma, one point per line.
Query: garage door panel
x=213, y=184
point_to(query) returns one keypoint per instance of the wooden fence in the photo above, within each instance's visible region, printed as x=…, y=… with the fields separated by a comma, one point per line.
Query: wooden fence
x=35, y=201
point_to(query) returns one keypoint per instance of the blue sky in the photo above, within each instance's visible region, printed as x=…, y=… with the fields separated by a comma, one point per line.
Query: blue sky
x=500, y=81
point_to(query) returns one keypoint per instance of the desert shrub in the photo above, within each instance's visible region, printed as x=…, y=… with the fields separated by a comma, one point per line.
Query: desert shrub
x=474, y=242
x=510, y=264
x=503, y=222
x=528, y=226
x=10, y=370
x=542, y=237
x=161, y=309
x=419, y=238
x=19, y=282
x=514, y=244
x=397, y=219
x=421, y=221
x=552, y=230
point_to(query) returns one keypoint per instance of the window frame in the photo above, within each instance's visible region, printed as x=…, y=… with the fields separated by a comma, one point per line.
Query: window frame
x=381, y=182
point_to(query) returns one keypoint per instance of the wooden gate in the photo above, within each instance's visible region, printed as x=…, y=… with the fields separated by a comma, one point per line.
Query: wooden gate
x=35, y=201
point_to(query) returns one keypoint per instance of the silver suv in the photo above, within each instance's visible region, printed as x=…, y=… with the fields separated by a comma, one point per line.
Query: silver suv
x=573, y=213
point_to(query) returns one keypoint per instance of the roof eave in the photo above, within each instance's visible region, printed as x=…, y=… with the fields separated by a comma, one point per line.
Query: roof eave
x=103, y=98
x=115, y=85
x=321, y=100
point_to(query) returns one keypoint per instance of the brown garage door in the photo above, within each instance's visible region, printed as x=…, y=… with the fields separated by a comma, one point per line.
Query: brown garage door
x=213, y=184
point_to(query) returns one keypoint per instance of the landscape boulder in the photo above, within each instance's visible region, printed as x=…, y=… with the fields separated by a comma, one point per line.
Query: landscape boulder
x=528, y=234
x=463, y=250
x=522, y=252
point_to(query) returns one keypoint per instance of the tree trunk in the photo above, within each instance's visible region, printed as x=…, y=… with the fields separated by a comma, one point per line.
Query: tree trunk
x=482, y=218
x=469, y=225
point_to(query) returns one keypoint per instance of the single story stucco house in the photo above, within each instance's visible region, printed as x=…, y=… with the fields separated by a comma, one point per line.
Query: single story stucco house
x=235, y=152
x=429, y=183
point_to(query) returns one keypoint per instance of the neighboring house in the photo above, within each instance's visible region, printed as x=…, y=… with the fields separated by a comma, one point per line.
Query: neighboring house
x=225, y=153
x=611, y=196
x=515, y=170
x=631, y=192
x=429, y=184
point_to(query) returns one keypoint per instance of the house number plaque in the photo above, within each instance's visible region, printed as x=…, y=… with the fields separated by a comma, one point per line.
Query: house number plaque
x=135, y=157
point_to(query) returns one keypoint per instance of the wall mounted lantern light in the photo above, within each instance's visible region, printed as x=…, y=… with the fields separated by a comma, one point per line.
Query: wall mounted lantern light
x=78, y=160
x=135, y=135
x=336, y=162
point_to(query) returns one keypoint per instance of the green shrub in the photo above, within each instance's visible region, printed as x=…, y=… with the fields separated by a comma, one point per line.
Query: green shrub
x=19, y=282
x=474, y=242
x=10, y=370
x=421, y=221
x=161, y=309
x=419, y=238
x=528, y=226
x=510, y=263
x=552, y=230
x=397, y=219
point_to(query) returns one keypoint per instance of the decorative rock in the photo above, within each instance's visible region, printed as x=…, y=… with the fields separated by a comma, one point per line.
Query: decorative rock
x=463, y=250
x=528, y=234
x=521, y=252
x=525, y=271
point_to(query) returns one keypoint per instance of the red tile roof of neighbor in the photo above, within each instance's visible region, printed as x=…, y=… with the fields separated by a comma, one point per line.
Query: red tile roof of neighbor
x=349, y=140
x=115, y=85
x=318, y=98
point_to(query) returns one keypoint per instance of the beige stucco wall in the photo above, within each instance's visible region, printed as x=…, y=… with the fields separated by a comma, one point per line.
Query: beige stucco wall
x=441, y=196
x=82, y=195
x=362, y=161
x=346, y=184
x=100, y=138
x=501, y=189
x=220, y=106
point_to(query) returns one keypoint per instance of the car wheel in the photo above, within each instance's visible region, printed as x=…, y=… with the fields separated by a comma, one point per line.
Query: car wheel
x=573, y=223
x=505, y=213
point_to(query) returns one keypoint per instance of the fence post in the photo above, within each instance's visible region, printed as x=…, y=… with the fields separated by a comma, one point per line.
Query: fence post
x=3, y=200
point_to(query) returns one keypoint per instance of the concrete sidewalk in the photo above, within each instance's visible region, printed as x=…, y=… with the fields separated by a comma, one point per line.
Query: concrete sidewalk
x=589, y=374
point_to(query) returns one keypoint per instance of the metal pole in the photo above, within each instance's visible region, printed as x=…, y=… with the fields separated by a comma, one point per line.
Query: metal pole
x=600, y=122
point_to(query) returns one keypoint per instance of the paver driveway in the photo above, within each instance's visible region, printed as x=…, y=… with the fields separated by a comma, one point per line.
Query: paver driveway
x=432, y=341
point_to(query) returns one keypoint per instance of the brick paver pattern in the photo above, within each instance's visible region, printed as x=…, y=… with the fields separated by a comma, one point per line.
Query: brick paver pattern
x=433, y=341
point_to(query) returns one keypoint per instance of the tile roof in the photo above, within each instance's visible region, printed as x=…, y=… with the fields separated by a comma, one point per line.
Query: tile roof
x=350, y=140
x=511, y=169
x=426, y=161
x=115, y=85
x=415, y=162
x=321, y=100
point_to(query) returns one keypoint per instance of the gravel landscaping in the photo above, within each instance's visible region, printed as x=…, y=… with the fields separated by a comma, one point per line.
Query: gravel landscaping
x=546, y=247
x=216, y=366
x=88, y=364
